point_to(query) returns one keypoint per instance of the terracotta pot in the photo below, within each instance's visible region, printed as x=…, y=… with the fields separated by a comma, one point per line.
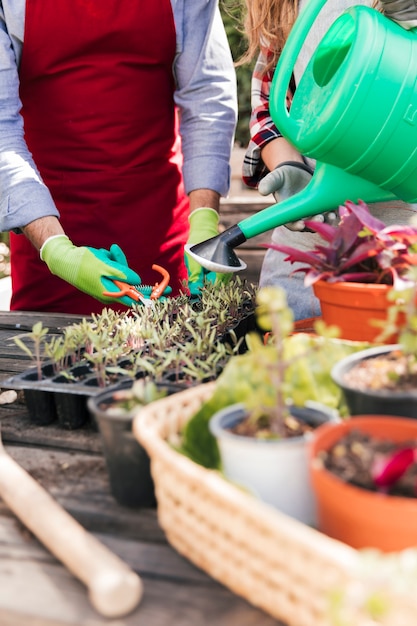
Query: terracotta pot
x=353, y=515
x=352, y=306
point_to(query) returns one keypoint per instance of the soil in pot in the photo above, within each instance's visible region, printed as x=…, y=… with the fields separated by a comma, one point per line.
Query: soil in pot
x=378, y=380
x=359, y=503
x=301, y=421
x=359, y=458
x=390, y=370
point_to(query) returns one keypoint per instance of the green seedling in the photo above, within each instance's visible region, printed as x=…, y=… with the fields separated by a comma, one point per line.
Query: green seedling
x=38, y=337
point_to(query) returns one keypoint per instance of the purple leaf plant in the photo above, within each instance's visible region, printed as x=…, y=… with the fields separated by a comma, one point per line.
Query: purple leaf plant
x=361, y=248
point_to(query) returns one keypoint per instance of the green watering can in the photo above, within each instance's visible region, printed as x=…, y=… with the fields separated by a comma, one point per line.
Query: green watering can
x=354, y=111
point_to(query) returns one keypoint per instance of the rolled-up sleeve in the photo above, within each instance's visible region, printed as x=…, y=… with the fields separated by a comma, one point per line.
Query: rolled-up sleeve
x=23, y=195
x=206, y=95
x=261, y=125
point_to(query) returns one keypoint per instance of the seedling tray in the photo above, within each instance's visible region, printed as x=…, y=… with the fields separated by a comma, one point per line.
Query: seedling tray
x=57, y=397
x=63, y=396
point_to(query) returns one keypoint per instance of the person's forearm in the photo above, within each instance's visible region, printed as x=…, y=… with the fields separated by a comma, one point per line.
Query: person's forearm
x=39, y=230
x=204, y=198
x=278, y=151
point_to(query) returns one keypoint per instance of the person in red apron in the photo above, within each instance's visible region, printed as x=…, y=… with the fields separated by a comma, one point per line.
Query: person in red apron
x=101, y=107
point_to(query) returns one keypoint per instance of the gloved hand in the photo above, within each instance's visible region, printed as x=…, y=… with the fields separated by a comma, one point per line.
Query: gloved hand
x=204, y=223
x=285, y=181
x=403, y=12
x=89, y=269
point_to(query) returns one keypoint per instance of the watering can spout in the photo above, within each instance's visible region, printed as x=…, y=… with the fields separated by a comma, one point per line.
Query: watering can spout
x=329, y=188
x=217, y=254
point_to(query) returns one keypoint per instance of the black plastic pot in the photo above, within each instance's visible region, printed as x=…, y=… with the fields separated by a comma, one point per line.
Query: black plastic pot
x=373, y=401
x=127, y=462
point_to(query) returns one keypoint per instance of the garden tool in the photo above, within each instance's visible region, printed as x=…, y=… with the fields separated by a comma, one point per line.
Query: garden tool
x=114, y=589
x=354, y=111
x=142, y=293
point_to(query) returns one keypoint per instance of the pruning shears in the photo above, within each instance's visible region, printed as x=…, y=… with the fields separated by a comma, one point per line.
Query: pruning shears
x=141, y=293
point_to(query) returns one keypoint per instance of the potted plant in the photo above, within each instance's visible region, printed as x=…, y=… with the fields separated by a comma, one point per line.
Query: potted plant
x=127, y=462
x=266, y=403
x=364, y=475
x=383, y=379
x=198, y=360
x=352, y=272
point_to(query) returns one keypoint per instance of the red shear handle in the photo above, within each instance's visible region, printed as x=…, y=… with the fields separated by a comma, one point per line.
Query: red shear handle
x=125, y=290
x=159, y=288
x=134, y=291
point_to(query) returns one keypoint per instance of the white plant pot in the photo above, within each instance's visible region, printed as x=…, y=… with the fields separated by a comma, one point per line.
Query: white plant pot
x=274, y=470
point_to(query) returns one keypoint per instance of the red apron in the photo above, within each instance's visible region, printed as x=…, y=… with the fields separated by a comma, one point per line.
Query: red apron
x=97, y=91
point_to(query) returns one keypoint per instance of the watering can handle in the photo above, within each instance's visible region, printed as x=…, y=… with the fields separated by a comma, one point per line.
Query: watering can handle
x=285, y=67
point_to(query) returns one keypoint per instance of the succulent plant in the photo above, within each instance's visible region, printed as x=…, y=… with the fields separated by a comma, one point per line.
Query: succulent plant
x=361, y=248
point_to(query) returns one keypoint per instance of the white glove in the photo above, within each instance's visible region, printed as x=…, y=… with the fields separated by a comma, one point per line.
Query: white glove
x=285, y=181
x=403, y=12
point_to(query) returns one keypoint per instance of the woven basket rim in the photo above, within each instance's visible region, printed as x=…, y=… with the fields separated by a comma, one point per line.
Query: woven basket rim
x=146, y=430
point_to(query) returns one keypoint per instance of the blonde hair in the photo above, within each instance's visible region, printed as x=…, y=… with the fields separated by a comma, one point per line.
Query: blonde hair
x=268, y=23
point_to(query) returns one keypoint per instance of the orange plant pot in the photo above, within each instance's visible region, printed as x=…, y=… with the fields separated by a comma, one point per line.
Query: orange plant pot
x=352, y=306
x=361, y=518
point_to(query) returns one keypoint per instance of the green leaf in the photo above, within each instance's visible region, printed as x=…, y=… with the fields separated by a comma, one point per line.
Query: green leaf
x=23, y=347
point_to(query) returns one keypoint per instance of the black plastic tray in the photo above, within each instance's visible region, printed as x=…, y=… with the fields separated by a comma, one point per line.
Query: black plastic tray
x=56, y=397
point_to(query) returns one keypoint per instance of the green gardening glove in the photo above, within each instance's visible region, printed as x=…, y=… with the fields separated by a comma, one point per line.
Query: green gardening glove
x=204, y=224
x=90, y=270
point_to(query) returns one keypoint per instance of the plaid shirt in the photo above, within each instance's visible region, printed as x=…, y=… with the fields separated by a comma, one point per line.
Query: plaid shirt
x=262, y=128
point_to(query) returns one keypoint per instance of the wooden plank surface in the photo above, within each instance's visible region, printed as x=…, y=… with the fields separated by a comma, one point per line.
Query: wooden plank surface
x=36, y=589
x=24, y=320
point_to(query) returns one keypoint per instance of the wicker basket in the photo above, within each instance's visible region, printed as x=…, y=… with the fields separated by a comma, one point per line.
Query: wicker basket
x=277, y=563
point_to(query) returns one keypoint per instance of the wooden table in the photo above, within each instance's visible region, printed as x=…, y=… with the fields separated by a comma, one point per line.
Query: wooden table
x=36, y=589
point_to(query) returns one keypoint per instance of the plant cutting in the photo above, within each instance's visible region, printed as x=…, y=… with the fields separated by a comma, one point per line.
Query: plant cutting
x=364, y=474
x=264, y=407
x=37, y=337
x=146, y=334
x=360, y=261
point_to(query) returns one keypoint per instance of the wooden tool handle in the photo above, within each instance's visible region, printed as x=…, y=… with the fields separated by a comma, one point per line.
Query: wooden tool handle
x=114, y=589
